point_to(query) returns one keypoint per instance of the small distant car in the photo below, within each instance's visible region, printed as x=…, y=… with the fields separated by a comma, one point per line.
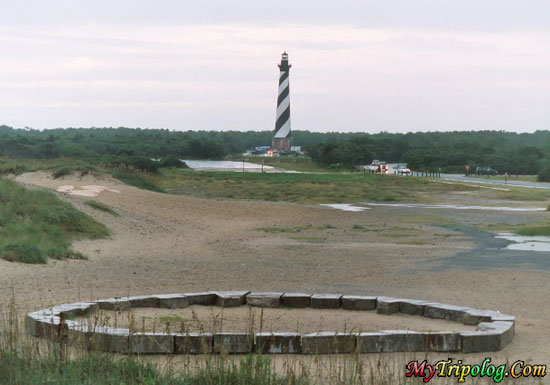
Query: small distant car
x=403, y=171
x=486, y=171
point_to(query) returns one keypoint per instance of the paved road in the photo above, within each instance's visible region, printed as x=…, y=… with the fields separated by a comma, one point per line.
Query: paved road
x=544, y=186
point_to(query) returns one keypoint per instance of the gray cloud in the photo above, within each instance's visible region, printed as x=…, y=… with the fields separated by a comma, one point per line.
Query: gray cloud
x=358, y=65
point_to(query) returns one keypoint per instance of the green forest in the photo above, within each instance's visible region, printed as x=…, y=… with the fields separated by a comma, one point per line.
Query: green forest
x=527, y=153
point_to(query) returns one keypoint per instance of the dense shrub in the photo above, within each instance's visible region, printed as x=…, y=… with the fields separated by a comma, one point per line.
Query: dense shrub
x=451, y=151
x=544, y=174
x=172, y=161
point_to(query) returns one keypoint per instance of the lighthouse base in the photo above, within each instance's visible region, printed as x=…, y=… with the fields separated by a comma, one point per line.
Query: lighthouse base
x=281, y=144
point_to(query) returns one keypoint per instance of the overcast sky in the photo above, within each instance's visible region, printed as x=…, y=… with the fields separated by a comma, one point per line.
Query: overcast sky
x=392, y=65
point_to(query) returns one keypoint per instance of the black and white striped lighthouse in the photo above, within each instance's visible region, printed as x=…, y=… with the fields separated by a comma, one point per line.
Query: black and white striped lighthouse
x=282, y=139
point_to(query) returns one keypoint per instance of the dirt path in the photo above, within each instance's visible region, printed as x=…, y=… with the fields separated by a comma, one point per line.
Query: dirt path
x=168, y=244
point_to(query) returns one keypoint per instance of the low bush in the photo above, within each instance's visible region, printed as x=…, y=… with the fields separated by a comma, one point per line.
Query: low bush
x=138, y=163
x=67, y=170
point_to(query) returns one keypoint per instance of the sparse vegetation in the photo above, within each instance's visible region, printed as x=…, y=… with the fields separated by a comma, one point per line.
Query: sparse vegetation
x=294, y=229
x=101, y=206
x=36, y=225
x=394, y=235
x=307, y=238
x=415, y=243
x=171, y=319
x=275, y=229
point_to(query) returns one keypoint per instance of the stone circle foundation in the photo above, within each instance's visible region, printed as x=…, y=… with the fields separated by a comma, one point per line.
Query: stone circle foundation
x=494, y=330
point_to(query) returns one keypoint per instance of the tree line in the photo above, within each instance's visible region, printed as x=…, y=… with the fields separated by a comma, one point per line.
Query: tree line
x=527, y=153
x=505, y=152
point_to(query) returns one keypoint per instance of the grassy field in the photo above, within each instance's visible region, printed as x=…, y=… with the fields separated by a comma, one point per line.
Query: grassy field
x=319, y=186
x=36, y=225
x=322, y=187
x=299, y=188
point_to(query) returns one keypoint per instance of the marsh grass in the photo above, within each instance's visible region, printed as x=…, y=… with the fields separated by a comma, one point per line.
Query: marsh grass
x=535, y=230
x=531, y=229
x=36, y=225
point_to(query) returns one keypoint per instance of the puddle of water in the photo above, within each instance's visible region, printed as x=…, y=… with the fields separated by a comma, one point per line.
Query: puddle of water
x=526, y=243
x=222, y=165
x=457, y=207
x=227, y=165
x=345, y=207
x=89, y=191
